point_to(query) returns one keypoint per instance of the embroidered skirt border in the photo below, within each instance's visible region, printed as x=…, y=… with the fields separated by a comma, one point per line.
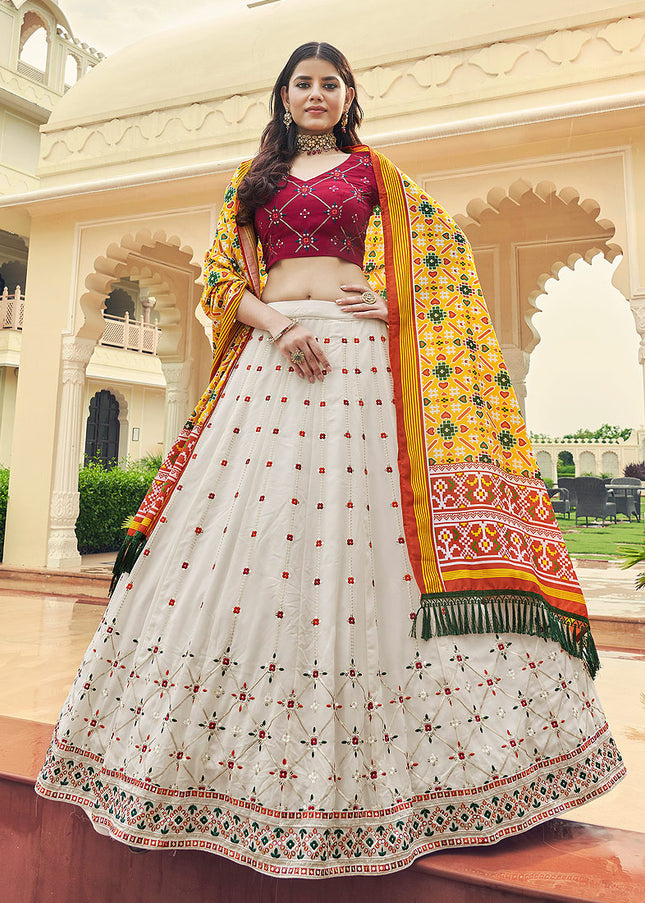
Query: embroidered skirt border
x=308, y=844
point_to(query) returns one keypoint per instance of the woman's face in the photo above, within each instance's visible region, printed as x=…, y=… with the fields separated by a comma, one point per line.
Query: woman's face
x=316, y=96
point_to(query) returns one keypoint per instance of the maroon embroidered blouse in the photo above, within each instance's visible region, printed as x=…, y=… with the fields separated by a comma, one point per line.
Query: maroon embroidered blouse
x=325, y=216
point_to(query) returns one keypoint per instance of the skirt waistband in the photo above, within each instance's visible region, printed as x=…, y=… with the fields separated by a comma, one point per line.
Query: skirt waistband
x=325, y=310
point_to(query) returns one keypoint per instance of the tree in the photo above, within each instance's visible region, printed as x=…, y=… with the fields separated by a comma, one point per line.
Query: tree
x=606, y=431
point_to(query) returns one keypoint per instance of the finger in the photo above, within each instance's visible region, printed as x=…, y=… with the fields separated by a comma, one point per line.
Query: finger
x=305, y=369
x=293, y=365
x=296, y=369
x=302, y=366
x=314, y=370
x=372, y=315
x=321, y=357
x=360, y=308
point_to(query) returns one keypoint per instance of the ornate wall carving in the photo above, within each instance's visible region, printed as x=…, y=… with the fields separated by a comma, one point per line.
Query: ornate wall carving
x=510, y=68
x=62, y=549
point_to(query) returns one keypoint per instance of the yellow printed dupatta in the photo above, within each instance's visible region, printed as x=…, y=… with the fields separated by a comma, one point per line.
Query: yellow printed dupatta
x=483, y=542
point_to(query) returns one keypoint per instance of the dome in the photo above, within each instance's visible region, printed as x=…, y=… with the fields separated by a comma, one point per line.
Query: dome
x=247, y=48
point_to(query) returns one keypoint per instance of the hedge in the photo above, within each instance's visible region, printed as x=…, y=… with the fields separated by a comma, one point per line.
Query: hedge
x=107, y=498
x=4, y=491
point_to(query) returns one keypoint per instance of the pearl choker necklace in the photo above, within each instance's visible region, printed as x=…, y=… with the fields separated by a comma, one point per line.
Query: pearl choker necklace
x=316, y=144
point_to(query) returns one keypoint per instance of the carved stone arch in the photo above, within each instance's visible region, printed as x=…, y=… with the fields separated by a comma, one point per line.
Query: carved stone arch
x=588, y=463
x=73, y=64
x=31, y=22
x=544, y=229
x=610, y=463
x=522, y=235
x=159, y=261
x=546, y=465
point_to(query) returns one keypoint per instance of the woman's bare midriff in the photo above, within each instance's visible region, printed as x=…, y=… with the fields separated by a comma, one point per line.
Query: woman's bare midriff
x=317, y=277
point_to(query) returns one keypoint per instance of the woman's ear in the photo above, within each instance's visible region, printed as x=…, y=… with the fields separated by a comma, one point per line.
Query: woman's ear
x=284, y=94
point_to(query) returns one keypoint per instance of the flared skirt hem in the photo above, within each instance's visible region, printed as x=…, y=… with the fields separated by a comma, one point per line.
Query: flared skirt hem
x=325, y=844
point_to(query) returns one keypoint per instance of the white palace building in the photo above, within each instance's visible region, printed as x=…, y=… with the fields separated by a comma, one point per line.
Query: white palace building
x=526, y=121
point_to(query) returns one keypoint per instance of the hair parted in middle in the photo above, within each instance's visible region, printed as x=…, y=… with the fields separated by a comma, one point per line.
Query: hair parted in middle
x=271, y=166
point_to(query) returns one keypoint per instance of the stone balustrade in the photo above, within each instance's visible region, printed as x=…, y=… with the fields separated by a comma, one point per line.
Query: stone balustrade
x=12, y=309
x=590, y=456
x=131, y=334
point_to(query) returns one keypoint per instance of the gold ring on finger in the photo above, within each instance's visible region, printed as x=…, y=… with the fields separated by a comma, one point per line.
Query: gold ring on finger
x=297, y=356
x=369, y=297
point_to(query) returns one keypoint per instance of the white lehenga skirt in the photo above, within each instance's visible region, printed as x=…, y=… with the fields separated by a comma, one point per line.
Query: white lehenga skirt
x=253, y=689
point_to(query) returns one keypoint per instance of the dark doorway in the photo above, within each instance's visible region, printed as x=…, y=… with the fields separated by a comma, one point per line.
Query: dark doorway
x=102, y=433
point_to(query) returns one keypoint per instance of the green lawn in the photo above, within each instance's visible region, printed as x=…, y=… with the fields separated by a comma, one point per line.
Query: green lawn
x=596, y=541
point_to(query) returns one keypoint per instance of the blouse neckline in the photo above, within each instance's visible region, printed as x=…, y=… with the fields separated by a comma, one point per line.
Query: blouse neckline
x=325, y=173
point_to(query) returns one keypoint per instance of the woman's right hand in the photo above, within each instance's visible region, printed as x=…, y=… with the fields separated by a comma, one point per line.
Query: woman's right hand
x=315, y=364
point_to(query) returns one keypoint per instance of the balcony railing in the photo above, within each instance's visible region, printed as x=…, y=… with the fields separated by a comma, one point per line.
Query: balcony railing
x=12, y=309
x=36, y=75
x=132, y=335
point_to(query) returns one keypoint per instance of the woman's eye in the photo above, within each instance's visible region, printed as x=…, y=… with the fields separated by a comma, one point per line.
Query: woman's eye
x=305, y=86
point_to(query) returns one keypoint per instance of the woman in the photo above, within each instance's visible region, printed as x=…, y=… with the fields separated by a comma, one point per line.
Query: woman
x=259, y=686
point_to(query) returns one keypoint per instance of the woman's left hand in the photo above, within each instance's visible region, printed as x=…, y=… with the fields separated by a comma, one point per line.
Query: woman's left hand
x=355, y=304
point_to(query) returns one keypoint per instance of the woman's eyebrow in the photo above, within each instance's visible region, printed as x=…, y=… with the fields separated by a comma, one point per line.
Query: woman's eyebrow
x=326, y=78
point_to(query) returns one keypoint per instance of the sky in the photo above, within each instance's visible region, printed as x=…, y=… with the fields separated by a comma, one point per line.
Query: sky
x=585, y=370
x=109, y=25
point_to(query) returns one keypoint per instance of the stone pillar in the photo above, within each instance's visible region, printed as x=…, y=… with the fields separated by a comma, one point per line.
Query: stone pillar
x=62, y=548
x=177, y=399
x=638, y=309
x=517, y=362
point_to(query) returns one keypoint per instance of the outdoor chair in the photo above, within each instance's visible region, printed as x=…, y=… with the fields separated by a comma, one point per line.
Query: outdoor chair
x=568, y=484
x=560, y=500
x=627, y=496
x=594, y=499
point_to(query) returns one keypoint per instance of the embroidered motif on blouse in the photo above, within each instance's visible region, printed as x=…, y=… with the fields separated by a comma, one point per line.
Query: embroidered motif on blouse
x=325, y=216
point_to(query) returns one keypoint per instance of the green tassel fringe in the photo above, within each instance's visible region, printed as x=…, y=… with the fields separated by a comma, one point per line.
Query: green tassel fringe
x=499, y=611
x=488, y=611
x=128, y=553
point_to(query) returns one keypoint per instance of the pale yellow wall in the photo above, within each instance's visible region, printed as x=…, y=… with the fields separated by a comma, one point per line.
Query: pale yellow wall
x=37, y=399
x=638, y=215
x=149, y=410
x=19, y=143
x=8, y=386
x=7, y=19
x=425, y=81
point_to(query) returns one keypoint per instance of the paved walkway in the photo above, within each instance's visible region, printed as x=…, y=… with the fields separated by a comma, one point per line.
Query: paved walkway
x=610, y=590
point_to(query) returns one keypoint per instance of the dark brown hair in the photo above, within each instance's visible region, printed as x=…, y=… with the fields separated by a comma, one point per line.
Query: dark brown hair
x=278, y=144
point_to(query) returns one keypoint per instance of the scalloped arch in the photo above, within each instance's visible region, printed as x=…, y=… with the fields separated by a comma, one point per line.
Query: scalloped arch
x=557, y=228
x=153, y=258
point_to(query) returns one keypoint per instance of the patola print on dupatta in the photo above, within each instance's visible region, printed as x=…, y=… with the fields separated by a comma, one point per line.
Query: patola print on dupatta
x=484, y=544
